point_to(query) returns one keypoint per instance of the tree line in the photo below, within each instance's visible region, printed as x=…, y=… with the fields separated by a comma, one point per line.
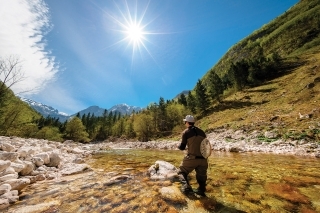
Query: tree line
x=155, y=121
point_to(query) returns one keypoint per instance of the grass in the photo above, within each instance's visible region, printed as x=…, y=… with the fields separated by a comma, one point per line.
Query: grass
x=283, y=104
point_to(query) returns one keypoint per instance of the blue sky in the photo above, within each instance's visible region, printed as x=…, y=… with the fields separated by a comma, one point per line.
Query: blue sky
x=80, y=53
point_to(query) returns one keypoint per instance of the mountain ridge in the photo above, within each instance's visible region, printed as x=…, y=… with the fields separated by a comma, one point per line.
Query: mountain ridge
x=46, y=110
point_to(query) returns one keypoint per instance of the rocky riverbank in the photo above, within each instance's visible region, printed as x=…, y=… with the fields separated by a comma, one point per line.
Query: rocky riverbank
x=237, y=141
x=26, y=161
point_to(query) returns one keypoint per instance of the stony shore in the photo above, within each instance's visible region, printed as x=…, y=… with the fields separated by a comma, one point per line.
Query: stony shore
x=237, y=141
x=26, y=161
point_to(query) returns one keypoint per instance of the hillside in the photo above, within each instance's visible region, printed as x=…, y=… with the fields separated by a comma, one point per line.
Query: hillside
x=16, y=117
x=289, y=103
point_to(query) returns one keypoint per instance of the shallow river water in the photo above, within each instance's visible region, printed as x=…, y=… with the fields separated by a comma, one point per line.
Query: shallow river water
x=236, y=183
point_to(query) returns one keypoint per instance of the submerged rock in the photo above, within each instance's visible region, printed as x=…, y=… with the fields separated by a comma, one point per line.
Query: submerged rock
x=73, y=168
x=173, y=194
x=116, y=179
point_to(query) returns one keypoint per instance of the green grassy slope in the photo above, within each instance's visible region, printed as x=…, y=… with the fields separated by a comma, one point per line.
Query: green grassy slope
x=276, y=104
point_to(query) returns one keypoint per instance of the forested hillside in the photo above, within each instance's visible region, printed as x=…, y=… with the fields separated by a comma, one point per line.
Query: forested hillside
x=268, y=80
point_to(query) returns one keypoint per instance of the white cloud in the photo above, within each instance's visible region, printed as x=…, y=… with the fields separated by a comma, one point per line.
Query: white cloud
x=23, y=25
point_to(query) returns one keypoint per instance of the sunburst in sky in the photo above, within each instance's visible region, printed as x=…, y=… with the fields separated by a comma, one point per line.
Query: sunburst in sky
x=132, y=27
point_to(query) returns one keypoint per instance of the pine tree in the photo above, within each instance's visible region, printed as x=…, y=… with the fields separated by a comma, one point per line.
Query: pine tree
x=202, y=99
x=215, y=86
x=182, y=100
x=238, y=74
x=191, y=102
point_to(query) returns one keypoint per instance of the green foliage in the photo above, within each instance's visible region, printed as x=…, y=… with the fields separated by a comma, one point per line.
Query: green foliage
x=76, y=131
x=182, y=100
x=268, y=140
x=15, y=115
x=143, y=126
x=202, y=99
x=191, y=102
x=216, y=86
x=49, y=133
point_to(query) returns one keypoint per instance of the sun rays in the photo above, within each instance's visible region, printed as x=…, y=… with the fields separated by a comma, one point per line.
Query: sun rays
x=130, y=25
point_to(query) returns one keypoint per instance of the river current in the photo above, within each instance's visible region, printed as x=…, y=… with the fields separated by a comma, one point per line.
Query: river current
x=237, y=182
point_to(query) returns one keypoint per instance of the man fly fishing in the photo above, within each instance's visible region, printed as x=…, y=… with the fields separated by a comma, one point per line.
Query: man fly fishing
x=192, y=137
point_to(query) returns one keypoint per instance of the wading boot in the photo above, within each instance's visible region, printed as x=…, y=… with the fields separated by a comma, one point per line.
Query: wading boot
x=185, y=188
x=201, y=189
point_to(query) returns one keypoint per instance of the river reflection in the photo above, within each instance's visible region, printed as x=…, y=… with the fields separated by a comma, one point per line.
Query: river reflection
x=236, y=183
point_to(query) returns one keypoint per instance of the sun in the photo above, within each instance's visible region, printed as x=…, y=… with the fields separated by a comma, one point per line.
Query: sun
x=130, y=23
x=135, y=34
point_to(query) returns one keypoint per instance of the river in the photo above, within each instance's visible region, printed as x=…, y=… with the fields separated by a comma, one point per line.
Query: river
x=237, y=182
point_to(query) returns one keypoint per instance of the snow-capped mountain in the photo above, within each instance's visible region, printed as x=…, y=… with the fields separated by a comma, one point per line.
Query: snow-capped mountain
x=124, y=109
x=97, y=111
x=46, y=110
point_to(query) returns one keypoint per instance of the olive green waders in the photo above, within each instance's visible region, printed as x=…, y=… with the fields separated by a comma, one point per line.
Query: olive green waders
x=200, y=165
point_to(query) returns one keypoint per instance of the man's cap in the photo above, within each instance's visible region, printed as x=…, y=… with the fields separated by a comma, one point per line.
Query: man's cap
x=189, y=118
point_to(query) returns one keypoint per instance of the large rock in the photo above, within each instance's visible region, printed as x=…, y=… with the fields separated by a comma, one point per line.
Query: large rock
x=9, y=177
x=54, y=159
x=4, y=164
x=24, y=151
x=43, y=156
x=162, y=170
x=12, y=196
x=28, y=168
x=4, y=188
x=18, y=167
x=18, y=184
x=10, y=156
x=8, y=170
x=38, y=161
x=7, y=147
x=4, y=203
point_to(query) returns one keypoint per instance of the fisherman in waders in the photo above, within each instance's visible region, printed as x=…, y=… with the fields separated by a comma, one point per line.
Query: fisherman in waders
x=191, y=139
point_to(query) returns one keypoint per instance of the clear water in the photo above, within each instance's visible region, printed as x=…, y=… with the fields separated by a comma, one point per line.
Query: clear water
x=236, y=183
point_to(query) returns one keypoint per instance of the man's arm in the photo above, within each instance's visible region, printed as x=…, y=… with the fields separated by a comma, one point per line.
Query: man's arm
x=184, y=141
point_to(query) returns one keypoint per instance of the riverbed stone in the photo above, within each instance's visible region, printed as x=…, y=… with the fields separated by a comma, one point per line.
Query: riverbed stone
x=73, y=168
x=9, y=156
x=8, y=177
x=116, y=179
x=18, y=167
x=4, y=203
x=18, y=184
x=4, y=188
x=55, y=160
x=173, y=194
x=28, y=168
x=162, y=170
x=41, y=207
x=12, y=196
x=4, y=164
x=8, y=170
x=7, y=147
x=44, y=156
